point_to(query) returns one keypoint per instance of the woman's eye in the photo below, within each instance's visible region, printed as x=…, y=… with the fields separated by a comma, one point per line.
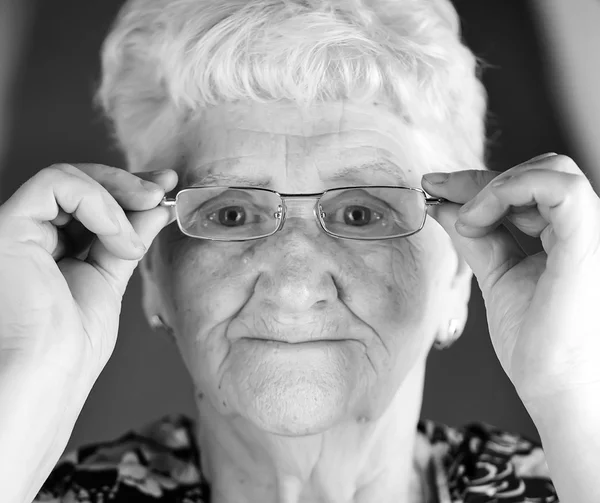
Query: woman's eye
x=358, y=216
x=230, y=216
x=234, y=216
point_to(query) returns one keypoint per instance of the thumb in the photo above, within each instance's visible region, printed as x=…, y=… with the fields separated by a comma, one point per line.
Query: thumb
x=488, y=256
x=118, y=271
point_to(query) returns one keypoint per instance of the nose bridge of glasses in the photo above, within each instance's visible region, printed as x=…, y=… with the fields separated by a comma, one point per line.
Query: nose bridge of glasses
x=303, y=207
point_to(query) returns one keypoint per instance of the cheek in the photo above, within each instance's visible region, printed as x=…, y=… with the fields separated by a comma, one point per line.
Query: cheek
x=408, y=276
x=205, y=284
x=206, y=279
x=414, y=272
x=391, y=283
x=398, y=310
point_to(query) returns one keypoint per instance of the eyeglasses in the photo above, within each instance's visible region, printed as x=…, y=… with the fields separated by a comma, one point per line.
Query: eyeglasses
x=245, y=213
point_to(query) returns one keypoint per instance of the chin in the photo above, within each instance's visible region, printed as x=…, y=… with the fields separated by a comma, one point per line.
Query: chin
x=293, y=389
x=298, y=407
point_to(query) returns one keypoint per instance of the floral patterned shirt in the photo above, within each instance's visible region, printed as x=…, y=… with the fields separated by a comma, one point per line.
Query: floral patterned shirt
x=160, y=463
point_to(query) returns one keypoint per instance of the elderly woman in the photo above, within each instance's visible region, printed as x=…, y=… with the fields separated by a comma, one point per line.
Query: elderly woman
x=283, y=240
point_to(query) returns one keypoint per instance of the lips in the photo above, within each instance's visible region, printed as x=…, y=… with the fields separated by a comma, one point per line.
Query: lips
x=290, y=329
x=292, y=341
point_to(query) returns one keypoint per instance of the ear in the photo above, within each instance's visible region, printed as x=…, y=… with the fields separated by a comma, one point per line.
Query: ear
x=151, y=303
x=460, y=293
x=461, y=284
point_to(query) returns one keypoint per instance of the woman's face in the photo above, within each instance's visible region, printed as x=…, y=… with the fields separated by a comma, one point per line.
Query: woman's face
x=300, y=330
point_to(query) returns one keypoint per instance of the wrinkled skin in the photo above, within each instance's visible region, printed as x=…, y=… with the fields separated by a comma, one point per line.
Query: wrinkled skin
x=384, y=301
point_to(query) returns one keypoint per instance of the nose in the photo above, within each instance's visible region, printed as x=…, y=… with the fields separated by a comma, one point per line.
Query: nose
x=299, y=276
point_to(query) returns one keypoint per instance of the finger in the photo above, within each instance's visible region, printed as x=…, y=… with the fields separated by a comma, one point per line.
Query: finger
x=128, y=192
x=37, y=202
x=116, y=271
x=472, y=186
x=62, y=218
x=550, y=162
x=463, y=186
x=74, y=240
x=133, y=191
x=62, y=248
x=527, y=220
x=489, y=256
x=563, y=200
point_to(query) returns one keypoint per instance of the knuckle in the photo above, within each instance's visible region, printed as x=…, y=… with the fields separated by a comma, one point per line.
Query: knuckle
x=64, y=167
x=123, y=178
x=483, y=177
x=47, y=177
x=97, y=172
x=54, y=173
x=579, y=184
x=112, y=179
x=565, y=163
x=50, y=173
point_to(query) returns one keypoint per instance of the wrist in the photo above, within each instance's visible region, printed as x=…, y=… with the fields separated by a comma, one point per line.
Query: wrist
x=565, y=409
x=40, y=405
x=568, y=426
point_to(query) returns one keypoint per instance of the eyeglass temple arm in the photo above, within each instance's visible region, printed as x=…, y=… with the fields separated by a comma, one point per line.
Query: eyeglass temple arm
x=435, y=200
x=166, y=201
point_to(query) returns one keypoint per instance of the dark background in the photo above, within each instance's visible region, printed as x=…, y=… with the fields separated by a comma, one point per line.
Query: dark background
x=53, y=121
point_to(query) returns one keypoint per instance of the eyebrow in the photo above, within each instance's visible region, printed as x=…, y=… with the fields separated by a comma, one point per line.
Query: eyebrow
x=230, y=179
x=377, y=166
x=353, y=172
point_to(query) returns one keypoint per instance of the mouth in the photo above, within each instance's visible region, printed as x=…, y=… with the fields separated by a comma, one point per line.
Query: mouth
x=291, y=342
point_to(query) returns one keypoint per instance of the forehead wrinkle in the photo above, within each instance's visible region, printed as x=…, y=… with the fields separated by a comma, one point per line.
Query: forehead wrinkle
x=286, y=156
x=389, y=132
x=356, y=174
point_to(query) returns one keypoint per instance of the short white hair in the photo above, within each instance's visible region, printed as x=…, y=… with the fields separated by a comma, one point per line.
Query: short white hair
x=166, y=60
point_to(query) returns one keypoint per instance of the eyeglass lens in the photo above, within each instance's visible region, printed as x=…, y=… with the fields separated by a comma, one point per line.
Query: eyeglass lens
x=359, y=212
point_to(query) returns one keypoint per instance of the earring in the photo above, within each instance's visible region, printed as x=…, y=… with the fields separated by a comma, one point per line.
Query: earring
x=450, y=337
x=156, y=323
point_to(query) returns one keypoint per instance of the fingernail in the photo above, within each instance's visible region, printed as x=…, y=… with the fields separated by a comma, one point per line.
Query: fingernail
x=152, y=186
x=436, y=178
x=115, y=221
x=157, y=172
x=137, y=242
x=467, y=206
x=149, y=186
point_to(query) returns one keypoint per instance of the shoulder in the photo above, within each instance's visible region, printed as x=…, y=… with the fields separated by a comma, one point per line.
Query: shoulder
x=156, y=462
x=483, y=463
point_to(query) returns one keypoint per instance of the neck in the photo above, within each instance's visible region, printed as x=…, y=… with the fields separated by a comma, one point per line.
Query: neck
x=351, y=462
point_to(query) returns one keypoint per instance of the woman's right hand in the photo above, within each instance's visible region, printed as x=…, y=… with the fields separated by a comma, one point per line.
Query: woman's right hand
x=67, y=252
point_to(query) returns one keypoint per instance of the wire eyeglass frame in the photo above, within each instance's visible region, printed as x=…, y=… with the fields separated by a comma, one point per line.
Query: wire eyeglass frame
x=280, y=214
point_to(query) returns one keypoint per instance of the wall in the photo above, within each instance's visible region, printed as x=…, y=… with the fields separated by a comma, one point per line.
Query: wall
x=14, y=24
x=571, y=33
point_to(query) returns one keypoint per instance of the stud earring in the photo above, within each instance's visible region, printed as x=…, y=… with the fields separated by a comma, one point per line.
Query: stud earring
x=156, y=323
x=450, y=337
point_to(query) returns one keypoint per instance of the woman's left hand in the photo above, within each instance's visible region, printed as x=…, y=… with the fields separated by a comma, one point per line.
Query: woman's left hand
x=543, y=310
